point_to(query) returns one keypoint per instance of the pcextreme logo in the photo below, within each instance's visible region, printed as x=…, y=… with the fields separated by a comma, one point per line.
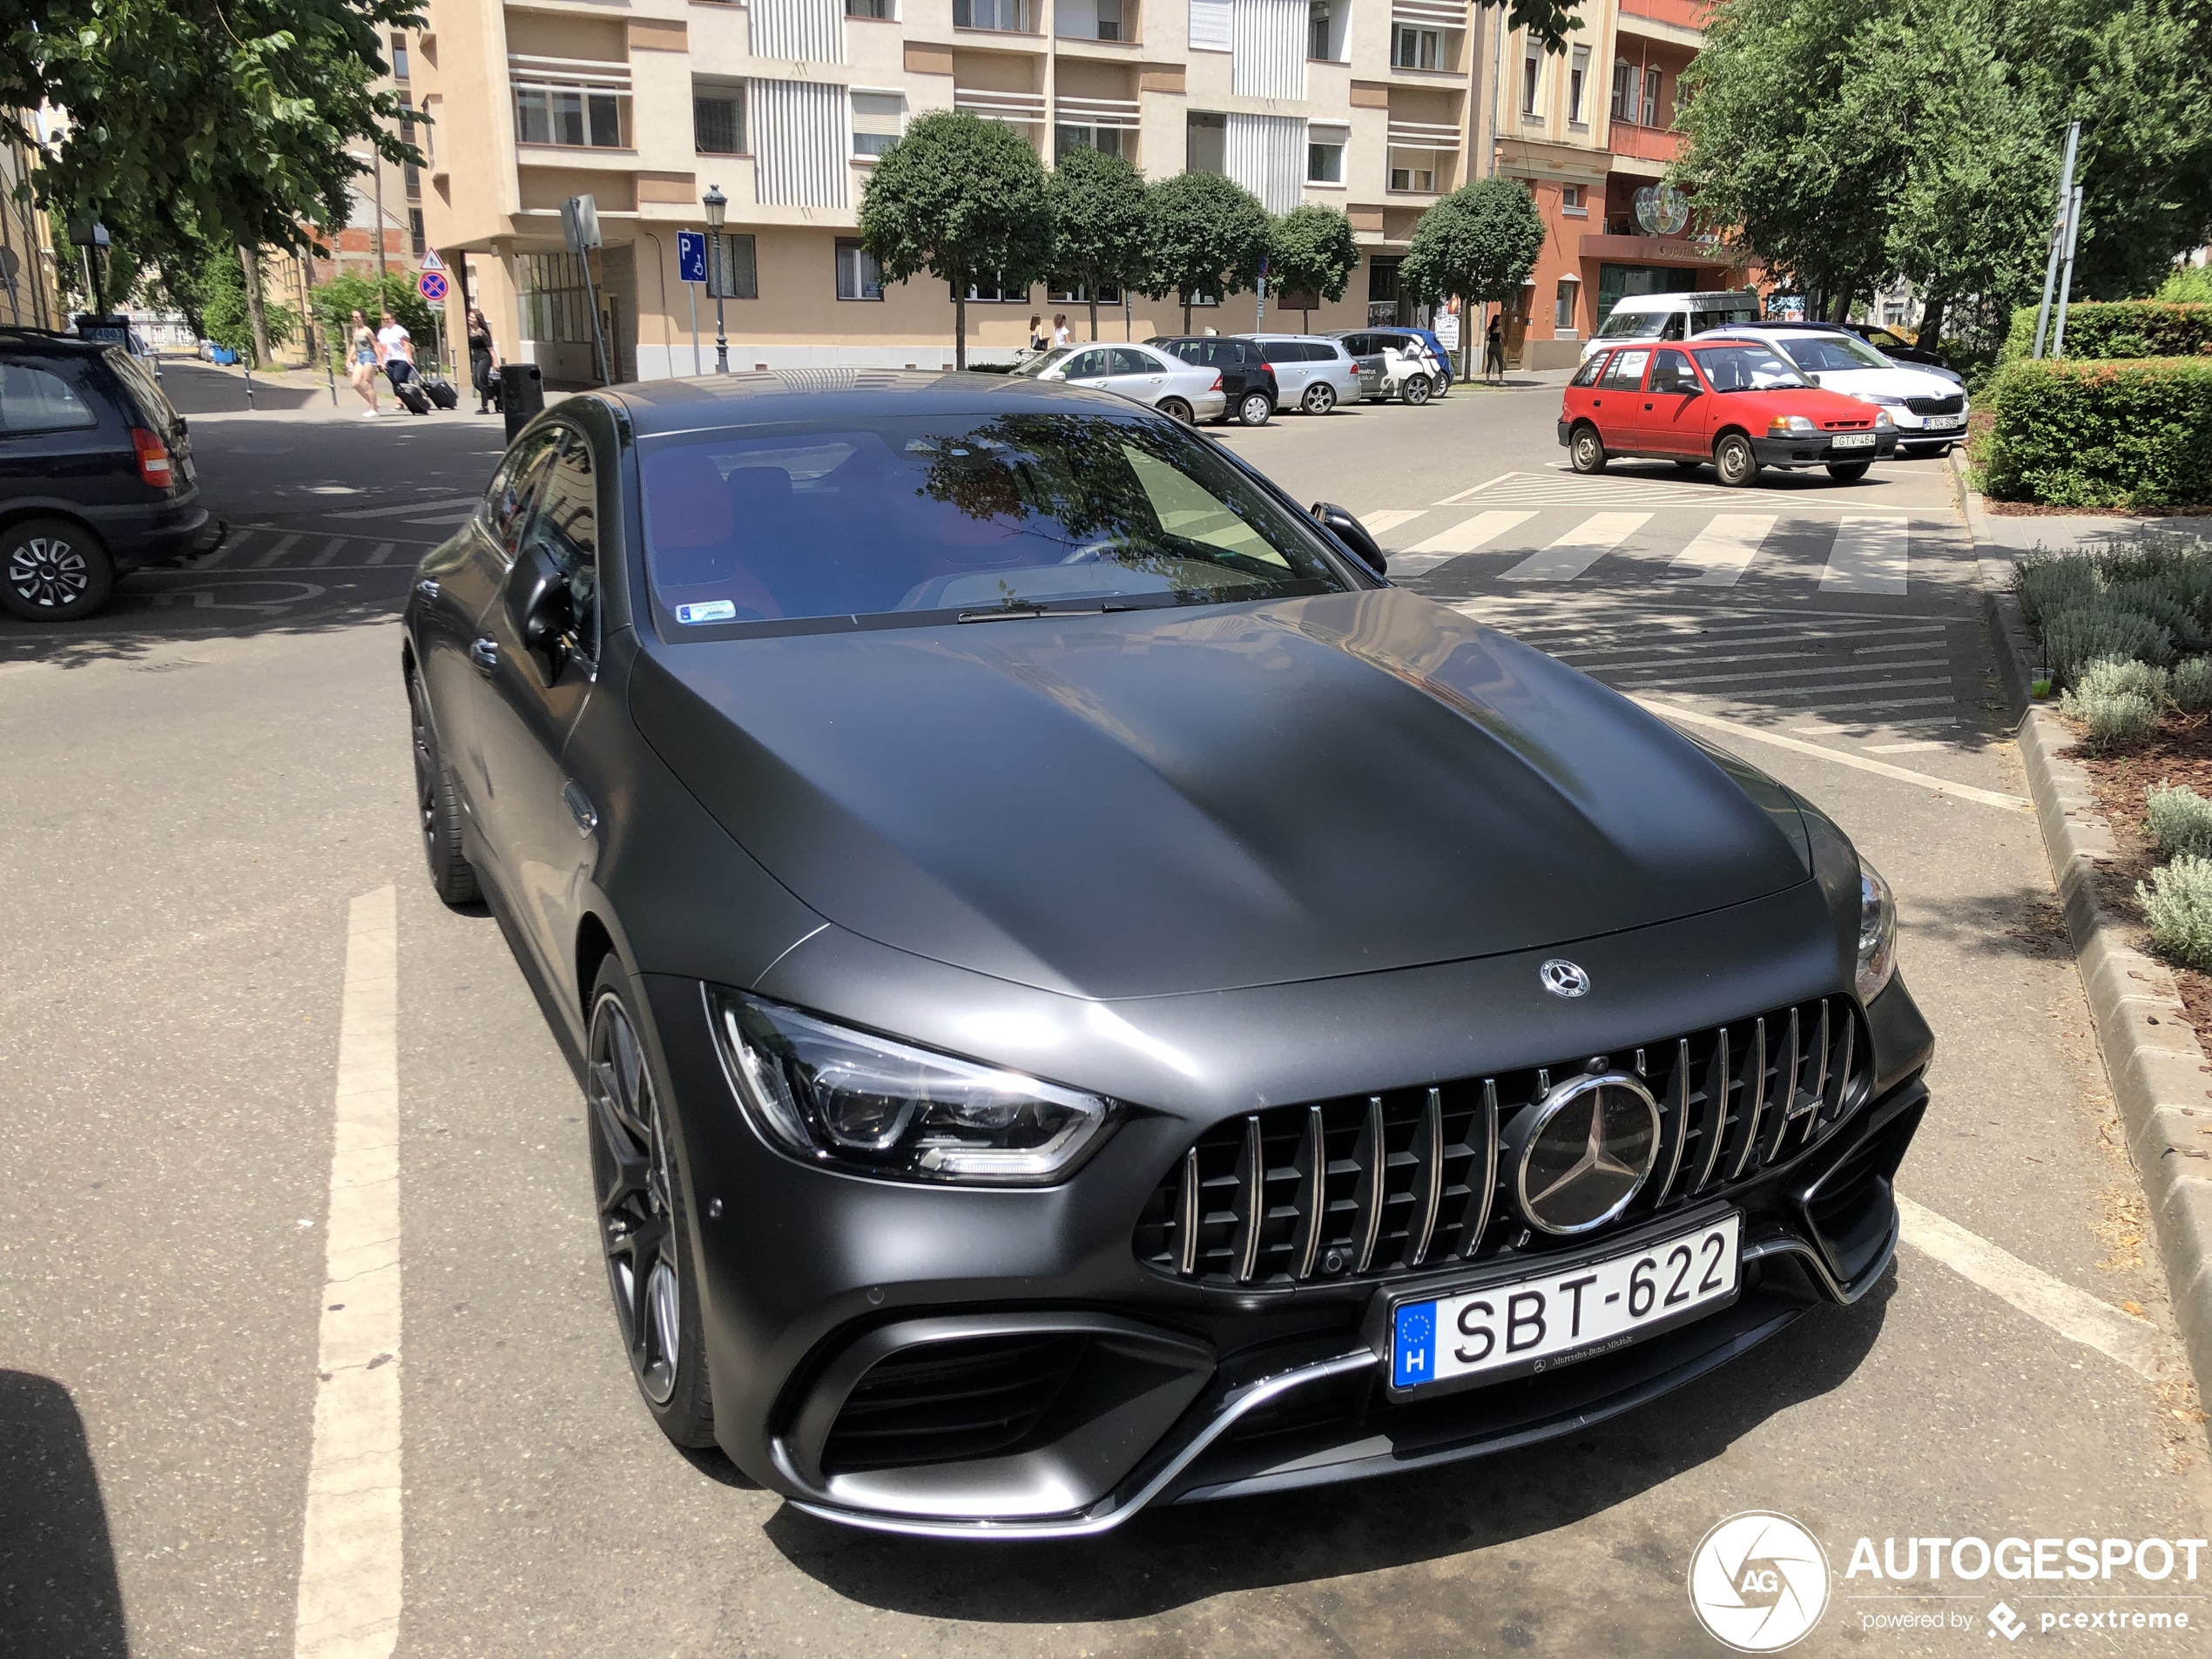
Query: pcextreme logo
x=1758, y=1581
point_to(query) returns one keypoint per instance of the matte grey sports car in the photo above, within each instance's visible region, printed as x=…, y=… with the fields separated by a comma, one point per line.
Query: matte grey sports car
x=1091, y=997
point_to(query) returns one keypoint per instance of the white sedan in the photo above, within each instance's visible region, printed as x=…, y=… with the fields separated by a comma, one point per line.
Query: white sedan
x=1929, y=410
x=1175, y=389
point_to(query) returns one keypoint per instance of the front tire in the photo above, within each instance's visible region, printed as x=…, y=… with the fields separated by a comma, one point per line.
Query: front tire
x=1735, y=462
x=52, y=570
x=644, y=1226
x=1253, y=409
x=1176, y=410
x=437, y=806
x=1586, y=450
x=1416, y=390
x=1848, y=472
x=1320, y=399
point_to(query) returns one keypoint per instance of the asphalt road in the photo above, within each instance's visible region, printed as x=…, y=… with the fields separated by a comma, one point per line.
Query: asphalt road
x=200, y=783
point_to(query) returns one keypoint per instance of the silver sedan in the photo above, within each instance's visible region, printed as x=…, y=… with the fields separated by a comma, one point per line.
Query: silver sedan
x=1175, y=389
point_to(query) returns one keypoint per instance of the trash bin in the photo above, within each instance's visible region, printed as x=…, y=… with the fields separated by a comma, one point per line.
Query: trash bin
x=521, y=394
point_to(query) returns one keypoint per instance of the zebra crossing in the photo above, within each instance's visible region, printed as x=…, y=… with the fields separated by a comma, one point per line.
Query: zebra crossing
x=258, y=547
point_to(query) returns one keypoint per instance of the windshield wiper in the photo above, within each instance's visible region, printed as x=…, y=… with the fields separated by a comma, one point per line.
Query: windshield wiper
x=1025, y=613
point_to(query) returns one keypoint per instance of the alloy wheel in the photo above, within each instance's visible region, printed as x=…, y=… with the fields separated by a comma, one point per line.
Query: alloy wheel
x=1416, y=390
x=631, y=1170
x=49, y=572
x=1320, y=398
x=426, y=770
x=1176, y=410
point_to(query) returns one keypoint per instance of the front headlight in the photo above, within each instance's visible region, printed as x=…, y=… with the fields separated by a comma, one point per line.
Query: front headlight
x=1788, y=425
x=1882, y=421
x=834, y=1096
x=1883, y=398
x=1876, y=932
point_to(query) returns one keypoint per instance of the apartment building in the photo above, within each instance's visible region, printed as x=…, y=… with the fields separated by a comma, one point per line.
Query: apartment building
x=1371, y=106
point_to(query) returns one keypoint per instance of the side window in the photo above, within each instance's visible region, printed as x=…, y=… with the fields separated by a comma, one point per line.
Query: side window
x=1625, y=372
x=565, y=524
x=1128, y=361
x=1672, y=373
x=1586, y=376
x=1090, y=365
x=32, y=399
x=1673, y=330
x=505, y=502
x=1282, y=351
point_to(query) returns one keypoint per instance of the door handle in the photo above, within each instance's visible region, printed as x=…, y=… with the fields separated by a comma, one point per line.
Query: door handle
x=484, y=653
x=580, y=808
x=1647, y=406
x=428, y=587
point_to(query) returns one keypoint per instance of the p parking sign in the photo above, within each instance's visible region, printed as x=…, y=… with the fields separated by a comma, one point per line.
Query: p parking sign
x=690, y=256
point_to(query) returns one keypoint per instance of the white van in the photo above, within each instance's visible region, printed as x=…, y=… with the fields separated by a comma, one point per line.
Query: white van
x=1644, y=317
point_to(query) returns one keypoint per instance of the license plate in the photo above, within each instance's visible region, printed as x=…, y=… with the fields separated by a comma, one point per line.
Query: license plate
x=1947, y=420
x=1546, y=1320
x=1852, y=441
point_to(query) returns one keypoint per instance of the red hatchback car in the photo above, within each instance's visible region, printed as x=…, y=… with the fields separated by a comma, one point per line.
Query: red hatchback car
x=1736, y=403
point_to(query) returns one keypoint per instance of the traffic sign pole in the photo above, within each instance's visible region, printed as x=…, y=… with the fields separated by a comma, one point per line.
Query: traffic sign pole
x=691, y=288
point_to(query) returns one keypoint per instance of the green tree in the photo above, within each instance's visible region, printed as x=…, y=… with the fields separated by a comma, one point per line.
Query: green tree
x=1097, y=223
x=336, y=301
x=962, y=199
x=1312, y=252
x=227, y=123
x=1206, y=235
x=223, y=314
x=1479, y=244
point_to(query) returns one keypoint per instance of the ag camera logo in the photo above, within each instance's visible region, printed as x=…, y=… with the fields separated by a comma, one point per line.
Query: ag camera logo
x=1758, y=1581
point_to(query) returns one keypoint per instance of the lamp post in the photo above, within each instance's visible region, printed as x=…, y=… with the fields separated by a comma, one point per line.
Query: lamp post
x=717, y=270
x=91, y=236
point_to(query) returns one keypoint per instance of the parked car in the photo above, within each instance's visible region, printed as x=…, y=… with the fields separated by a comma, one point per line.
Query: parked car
x=1645, y=318
x=1247, y=379
x=1892, y=346
x=1177, y=389
x=1312, y=372
x=1367, y=346
x=95, y=474
x=1064, y=1032
x=1736, y=402
x=1929, y=410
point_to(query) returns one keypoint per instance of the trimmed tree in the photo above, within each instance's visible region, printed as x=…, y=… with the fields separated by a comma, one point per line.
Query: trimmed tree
x=1479, y=244
x=961, y=197
x=1312, y=252
x=1207, y=235
x=1098, y=223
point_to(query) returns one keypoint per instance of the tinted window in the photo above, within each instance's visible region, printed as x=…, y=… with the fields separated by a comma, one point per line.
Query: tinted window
x=1129, y=360
x=1316, y=353
x=1091, y=364
x=930, y=517
x=1283, y=351
x=1586, y=376
x=34, y=399
x=1672, y=373
x=509, y=495
x=146, y=390
x=566, y=526
x=1701, y=322
x=1625, y=372
x=1359, y=344
x=1191, y=351
x=1673, y=330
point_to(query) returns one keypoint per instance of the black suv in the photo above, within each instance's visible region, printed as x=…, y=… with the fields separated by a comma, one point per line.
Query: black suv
x=95, y=474
x=1247, y=378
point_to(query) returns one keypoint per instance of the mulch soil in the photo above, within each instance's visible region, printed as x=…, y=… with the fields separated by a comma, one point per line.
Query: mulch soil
x=2180, y=752
x=2045, y=510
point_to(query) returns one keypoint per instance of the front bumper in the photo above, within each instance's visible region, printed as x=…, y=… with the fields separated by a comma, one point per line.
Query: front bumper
x=1818, y=449
x=1163, y=1392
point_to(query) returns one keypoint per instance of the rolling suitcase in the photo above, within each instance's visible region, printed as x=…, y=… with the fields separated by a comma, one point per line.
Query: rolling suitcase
x=442, y=393
x=412, y=397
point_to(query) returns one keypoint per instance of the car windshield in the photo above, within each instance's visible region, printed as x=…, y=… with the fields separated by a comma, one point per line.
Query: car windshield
x=1833, y=353
x=933, y=519
x=1043, y=361
x=1746, y=368
x=1623, y=324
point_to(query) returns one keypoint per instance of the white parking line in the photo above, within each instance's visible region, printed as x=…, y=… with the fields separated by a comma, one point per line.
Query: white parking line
x=2073, y=1313
x=1797, y=674
x=1471, y=533
x=1858, y=763
x=1453, y=501
x=383, y=552
x=350, y=1544
x=1722, y=550
x=439, y=506
x=1379, y=523
x=1581, y=548
x=329, y=552
x=285, y=545
x=1868, y=556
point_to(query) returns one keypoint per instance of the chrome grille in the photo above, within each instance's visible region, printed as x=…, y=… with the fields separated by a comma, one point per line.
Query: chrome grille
x=1412, y=1179
x=1950, y=405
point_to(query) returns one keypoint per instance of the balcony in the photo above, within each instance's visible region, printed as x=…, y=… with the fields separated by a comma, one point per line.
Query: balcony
x=1646, y=144
x=1020, y=108
x=1621, y=243
x=1119, y=114
x=1424, y=135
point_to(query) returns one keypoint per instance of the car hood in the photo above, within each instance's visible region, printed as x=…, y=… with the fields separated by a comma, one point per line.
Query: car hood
x=1159, y=802
x=1896, y=382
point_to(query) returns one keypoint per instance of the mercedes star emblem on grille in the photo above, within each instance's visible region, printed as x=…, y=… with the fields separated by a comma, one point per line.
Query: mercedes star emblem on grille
x=1563, y=978
x=1583, y=1152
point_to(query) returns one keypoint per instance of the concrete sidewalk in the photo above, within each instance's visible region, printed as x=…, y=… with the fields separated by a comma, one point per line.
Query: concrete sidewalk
x=2014, y=535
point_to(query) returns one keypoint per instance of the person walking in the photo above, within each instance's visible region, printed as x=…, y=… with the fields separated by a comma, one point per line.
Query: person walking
x=482, y=360
x=1037, y=333
x=1059, y=334
x=1493, y=352
x=361, y=356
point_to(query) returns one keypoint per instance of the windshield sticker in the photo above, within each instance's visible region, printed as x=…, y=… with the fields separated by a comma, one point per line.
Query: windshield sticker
x=711, y=610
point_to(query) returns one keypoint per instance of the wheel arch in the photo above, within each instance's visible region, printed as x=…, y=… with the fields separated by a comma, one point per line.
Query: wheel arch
x=594, y=944
x=1733, y=430
x=16, y=512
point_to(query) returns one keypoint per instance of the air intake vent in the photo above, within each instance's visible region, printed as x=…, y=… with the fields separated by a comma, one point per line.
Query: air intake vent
x=1413, y=1179
x=947, y=1402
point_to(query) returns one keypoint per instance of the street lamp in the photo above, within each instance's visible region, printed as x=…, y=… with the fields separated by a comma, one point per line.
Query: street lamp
x=717, y=268
x=91, y=236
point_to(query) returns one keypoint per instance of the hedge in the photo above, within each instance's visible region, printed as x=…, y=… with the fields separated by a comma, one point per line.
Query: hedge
x=2078, y=433
x=2118, y=328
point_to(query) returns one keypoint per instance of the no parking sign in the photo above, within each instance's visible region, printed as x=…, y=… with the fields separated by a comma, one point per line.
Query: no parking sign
x=431, y=284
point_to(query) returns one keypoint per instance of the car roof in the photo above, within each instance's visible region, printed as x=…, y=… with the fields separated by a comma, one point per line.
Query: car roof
x=15, y=339
x=1283, y=337
x=766, y=397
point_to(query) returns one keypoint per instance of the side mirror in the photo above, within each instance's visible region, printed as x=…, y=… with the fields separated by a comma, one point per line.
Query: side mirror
x=1350, y=531
x=540, y=609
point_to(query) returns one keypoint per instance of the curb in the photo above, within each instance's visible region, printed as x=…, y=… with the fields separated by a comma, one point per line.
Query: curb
x=2160, y=1080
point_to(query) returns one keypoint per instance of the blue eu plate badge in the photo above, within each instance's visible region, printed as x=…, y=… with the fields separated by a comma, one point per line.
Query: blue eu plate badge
x=1413, y=1343
x=711, y=610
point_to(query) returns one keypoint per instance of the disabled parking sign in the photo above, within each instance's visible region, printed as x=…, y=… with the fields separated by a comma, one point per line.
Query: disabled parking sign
x=690, y=256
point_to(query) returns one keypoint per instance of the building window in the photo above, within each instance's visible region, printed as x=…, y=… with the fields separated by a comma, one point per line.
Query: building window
x=718, y=121
x=416, y=238
x=431, y=109
x=1201, y=298
x=1382, y=280
x=877, y=119
x=1571, y=200
x=1563, y=305
x=551, y=298
x=1009, y=15
x=996, y=291
x=1320, y=35
x=1109, y=20
x=1412, y=48
x=1414, y=170
x=859, y=276
x=398, y=58
x=413, y=175
x=1626, y=88
x=1065, y=291
x=1651, y=97
x=868, y=9
x=1324, y=154
x=744, y=270
x=1065, y=139
x=591, y=117
x=1578, y=77
x=1206, y=146
x=1532, y=78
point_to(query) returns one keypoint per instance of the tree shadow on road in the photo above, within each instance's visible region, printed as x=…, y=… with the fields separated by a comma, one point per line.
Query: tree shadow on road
x=1166, y=1558
x=59, y=1598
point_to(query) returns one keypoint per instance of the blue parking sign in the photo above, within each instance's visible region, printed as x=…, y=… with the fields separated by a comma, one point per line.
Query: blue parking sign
x=691, y=255
x=1414, y=1346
